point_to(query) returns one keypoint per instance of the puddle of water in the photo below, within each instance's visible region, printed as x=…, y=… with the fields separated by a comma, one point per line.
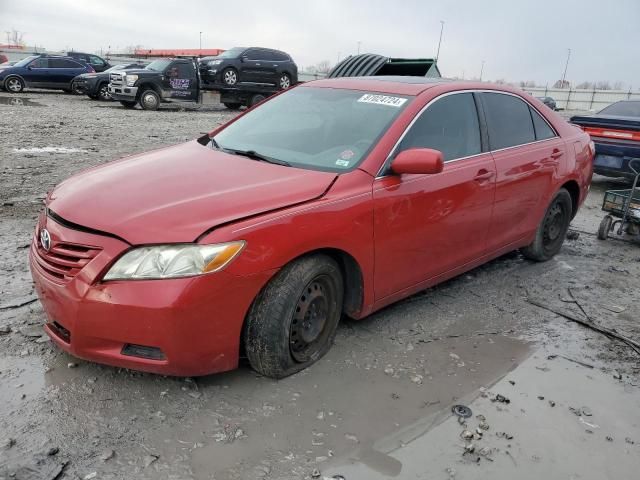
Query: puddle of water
x=19, y=101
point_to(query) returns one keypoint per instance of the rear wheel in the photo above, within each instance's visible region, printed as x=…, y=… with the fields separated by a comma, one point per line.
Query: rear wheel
x=14, y=84
x=149, y=100
x=293, y=321
x=127, y=104
x=605, y=227
x=257, y=98
x=552, y=230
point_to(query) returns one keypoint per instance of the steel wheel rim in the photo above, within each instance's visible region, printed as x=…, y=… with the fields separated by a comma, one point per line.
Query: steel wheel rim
x=150, y=100
x=14, y=85
x=553, y=224
x=311, y=320
x=284, y=82
x=230, y=77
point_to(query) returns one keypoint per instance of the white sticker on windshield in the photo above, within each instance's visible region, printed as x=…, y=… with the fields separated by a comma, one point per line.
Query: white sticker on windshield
x=342, y=163
x=382, y=100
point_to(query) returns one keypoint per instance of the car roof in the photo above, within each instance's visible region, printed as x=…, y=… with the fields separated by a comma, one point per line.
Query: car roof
x=407, y=85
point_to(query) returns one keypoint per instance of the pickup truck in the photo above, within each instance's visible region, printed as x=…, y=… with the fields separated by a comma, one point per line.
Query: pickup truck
x=177, y=80
x=615, y=131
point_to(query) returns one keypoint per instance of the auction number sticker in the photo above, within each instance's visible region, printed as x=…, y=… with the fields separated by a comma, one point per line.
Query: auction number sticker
x=382, y=100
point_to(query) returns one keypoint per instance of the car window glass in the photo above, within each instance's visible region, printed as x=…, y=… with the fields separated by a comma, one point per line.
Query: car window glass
x=95, y=60
x=185, y=70
x=63, y=63
x=541, y=127
x=508, y=120
x=252, y=54
x=280, y=57
x=40, y=63
x=450, y=125
x=622, y=109
x=268, y=55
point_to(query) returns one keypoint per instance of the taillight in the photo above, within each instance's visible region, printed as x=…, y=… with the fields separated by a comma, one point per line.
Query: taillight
x=90, y=69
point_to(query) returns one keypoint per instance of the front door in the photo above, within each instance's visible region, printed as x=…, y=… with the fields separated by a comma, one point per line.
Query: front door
x=255, y=66
x=180, y=81
x=427, y=225
x=527, y=152
x=37, y=73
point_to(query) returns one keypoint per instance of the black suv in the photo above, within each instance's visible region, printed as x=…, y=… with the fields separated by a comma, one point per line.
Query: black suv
x=98, y=64
x=249, y=66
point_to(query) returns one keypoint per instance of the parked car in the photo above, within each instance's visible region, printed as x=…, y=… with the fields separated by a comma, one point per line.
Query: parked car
x=615, y=130
x=176, y=80
x=99, y=64
x=334, y=198
x=548, y=101
x=254, y=65
x=96, y=85
x=42, y=71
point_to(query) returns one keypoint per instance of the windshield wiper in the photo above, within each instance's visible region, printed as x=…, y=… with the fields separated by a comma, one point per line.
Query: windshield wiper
x=257, y=156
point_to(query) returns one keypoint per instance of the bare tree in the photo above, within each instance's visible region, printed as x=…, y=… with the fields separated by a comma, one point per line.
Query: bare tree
x=562, y=84
x=586, y=85
x=603, y=85
x=618, y=85
x=323, y=67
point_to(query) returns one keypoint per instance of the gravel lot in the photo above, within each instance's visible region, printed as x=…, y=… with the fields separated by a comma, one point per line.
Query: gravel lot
x=64, y=418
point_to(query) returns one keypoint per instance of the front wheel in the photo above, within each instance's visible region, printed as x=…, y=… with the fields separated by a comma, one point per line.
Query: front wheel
x=14, y=85
x=103, y=92
x=149, y=100
x=605, y=227
x=285, y=81
x=293, y=321
x=230, y=76
x=552, y=230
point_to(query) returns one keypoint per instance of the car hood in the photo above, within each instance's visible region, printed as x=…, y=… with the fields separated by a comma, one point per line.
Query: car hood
x=175, y=194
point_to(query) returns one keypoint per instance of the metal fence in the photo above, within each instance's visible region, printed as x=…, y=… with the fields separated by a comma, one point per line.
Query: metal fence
x=579, y=99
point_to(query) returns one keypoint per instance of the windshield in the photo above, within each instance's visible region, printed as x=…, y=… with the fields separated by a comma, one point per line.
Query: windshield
x=622, y=109
x=231, y=53
x=115, y=67
x=317, y=128
x=158, y=65
x=25, y=61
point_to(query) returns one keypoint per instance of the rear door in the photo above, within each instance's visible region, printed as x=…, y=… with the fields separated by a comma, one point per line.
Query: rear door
x=62, y=71
x=427, y=225
x=527, y=153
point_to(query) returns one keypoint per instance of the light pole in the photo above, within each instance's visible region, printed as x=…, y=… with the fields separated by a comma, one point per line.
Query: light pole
x=439, y=41
x=200, y=41
x=359, y=42
x=566, y=65
x=481, y=70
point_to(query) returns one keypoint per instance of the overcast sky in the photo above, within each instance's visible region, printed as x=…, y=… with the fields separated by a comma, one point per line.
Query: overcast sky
x=518, y=40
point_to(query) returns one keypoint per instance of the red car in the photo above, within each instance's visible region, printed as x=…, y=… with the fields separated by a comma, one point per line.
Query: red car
x=336, y=197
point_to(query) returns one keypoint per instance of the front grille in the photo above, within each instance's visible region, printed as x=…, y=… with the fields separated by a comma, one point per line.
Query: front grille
x=64, y=260
x=115, y=78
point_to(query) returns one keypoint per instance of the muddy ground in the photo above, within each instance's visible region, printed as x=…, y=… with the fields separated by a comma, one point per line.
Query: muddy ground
x=389, y=381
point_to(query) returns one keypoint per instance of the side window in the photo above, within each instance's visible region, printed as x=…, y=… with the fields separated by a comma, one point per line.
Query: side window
x=508, y=120
x=63, y=63
x=185, y=70
x=96, y=60
x=541, y=127
x=450, y=125
x=280, y=57
x=40, y=63
x=251, y=54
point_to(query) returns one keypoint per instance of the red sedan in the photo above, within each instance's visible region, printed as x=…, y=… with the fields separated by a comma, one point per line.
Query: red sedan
x=334, y=198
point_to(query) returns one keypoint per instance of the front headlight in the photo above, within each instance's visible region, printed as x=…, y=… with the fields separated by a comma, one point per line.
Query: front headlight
x=131, y=79
x=215, y=62
x=173, y=261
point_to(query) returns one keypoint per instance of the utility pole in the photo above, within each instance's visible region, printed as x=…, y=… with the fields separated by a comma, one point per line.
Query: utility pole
x=200, y=41
x=566, y=65
x=359, y=42
x=481, y=70
x=439, y=41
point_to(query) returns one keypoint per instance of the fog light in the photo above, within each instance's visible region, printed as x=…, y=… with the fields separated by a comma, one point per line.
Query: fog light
x=151, y=353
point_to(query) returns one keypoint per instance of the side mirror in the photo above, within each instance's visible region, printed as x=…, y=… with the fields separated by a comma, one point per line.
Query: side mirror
x=418, y=160
x=30, y=67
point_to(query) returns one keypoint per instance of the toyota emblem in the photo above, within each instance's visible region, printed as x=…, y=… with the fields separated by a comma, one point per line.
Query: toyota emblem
x=45, y=239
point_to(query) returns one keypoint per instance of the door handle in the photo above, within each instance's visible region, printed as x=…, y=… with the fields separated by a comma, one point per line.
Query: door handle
x=257, y=64
x=483, y=175
x=556, y=154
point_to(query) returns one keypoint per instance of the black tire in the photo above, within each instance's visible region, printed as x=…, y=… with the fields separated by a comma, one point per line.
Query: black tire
x=13, y=84
x=103, y=92
x=292, y=323
x=257, y=98
x=552, y=229
x=127, y=104
x=232, y=105
x=149, y=100
x=76, y=90
x=605, y=227
x=284, y=81
x=230, y=76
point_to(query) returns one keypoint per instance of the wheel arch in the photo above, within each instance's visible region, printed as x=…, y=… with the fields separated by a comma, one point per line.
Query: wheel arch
x=146, y=86
x=574, y=190
x=12, y=75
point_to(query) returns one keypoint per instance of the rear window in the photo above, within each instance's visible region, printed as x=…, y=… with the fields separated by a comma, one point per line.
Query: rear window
x=622, y=109
x=508, y=120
